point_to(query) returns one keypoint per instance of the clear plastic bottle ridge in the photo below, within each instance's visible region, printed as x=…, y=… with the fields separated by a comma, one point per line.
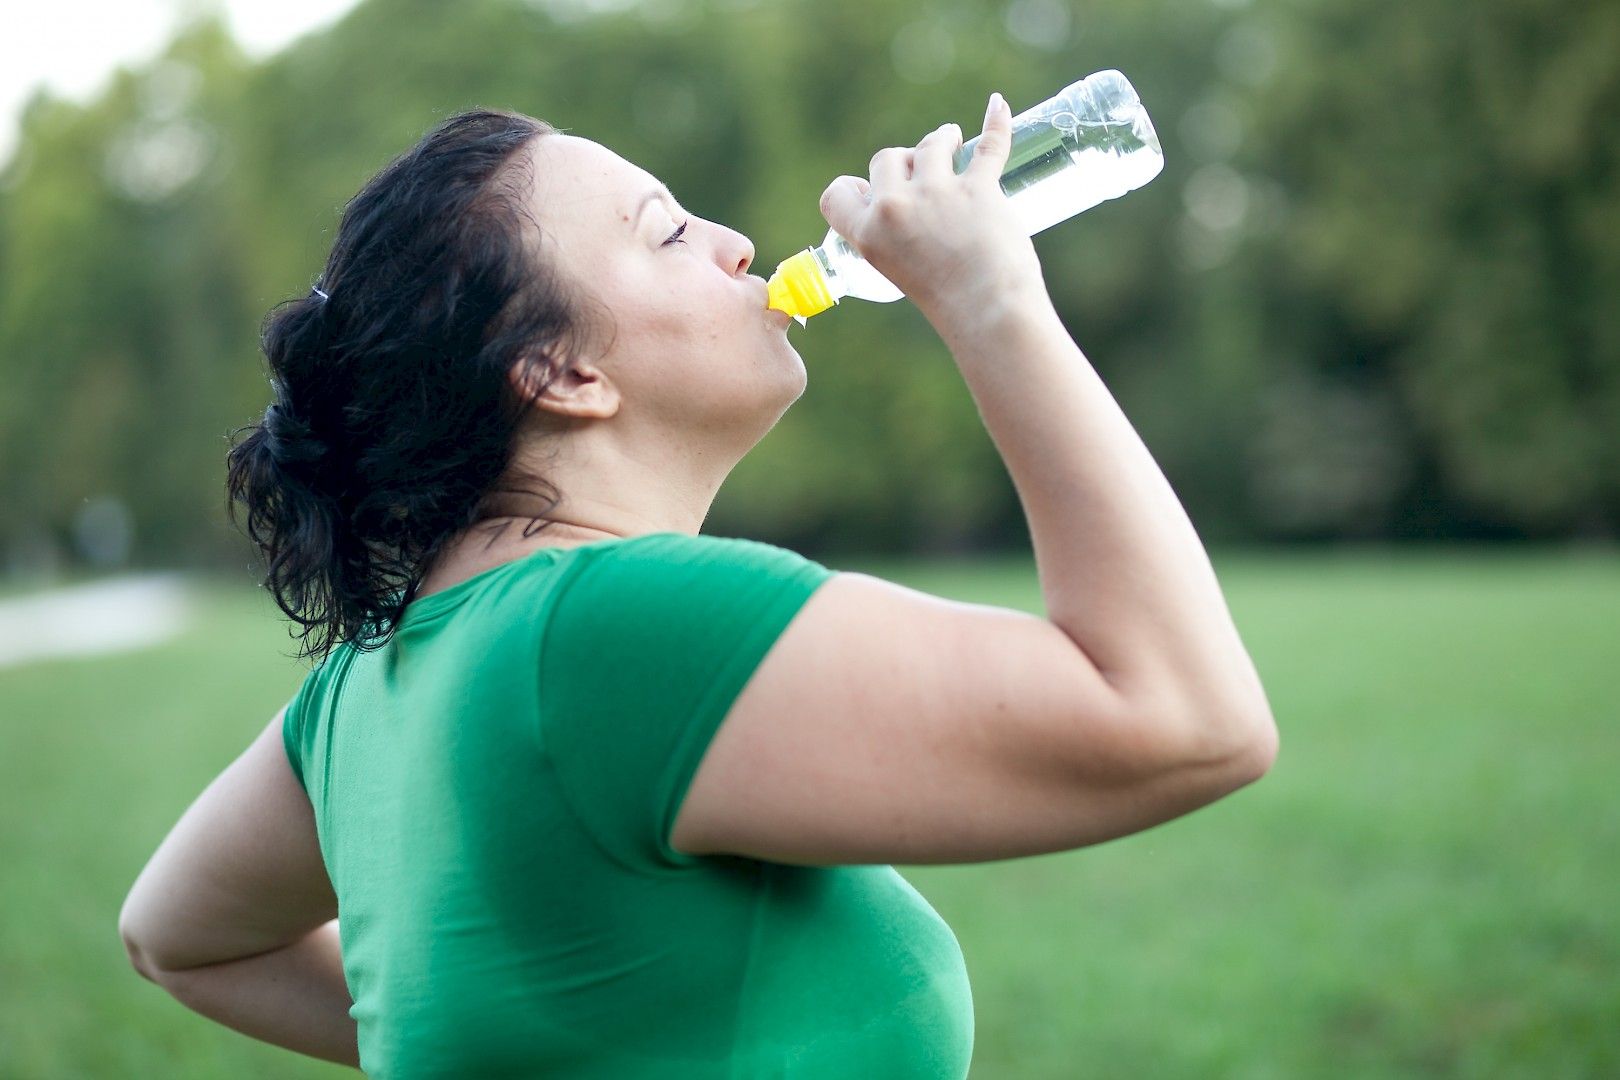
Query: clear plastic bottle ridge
x=1090, y=142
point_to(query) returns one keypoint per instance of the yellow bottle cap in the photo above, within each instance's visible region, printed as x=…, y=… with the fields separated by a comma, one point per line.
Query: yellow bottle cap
x=798, y=287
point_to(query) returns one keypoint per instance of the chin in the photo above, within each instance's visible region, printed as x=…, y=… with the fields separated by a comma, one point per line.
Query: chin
x=787, y=386
x=801, y=377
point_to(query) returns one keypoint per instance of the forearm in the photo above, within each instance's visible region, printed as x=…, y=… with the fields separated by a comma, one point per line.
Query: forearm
x=1121, y=567
x=294, y=996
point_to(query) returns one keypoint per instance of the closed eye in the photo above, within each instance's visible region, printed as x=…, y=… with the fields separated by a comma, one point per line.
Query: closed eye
x=676, y=239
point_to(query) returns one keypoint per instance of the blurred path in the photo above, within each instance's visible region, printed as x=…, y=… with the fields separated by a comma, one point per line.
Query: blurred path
x=112, y=615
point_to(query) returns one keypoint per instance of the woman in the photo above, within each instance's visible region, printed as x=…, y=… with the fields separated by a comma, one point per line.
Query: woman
x=597, y=795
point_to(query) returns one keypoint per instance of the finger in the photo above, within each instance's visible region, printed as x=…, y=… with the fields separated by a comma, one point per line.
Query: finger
x=891, y=167
x=843, y=202
x=934, y=153
x=990, y=152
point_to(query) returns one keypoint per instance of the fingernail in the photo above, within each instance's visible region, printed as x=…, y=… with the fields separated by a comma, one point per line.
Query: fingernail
x=996, y=101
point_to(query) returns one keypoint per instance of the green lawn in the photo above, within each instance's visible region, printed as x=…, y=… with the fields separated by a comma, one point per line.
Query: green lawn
x=1426, y=884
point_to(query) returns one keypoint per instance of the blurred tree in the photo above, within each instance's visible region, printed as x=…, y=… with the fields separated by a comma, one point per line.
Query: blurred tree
x=1370, y=295
x=1448, y=243
x=121, y=318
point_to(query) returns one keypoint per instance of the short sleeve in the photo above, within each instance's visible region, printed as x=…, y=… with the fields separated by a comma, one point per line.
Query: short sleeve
x=646, y=646
x=292, y=737
x=297, y=728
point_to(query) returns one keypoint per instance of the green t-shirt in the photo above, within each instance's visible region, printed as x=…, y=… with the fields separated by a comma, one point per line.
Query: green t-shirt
x=494, y=790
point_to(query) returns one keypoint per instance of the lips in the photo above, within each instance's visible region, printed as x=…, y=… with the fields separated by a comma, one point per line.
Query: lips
x=777, y=315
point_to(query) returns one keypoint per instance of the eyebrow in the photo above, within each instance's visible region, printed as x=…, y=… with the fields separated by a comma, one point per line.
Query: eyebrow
x=660, y=191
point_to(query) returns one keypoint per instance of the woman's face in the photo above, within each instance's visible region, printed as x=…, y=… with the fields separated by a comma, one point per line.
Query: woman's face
x=694, y=342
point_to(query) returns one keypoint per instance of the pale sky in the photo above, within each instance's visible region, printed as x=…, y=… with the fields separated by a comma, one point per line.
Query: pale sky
x=73, y=46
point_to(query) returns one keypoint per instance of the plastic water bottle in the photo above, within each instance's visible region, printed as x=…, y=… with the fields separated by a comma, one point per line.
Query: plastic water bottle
x=1090, y=142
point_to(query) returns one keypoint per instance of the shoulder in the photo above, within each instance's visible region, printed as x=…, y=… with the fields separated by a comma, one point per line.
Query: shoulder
x=317, y=683
x=680, y=580
x=666, y=553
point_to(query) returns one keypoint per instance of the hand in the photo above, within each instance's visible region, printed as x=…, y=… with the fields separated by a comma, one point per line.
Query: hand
x=949, y=241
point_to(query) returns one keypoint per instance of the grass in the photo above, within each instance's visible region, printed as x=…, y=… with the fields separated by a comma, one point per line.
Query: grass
x=1425, y=885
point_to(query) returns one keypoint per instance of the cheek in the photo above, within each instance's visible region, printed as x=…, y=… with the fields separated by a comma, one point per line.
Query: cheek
x=688, y=319
x=693, y=310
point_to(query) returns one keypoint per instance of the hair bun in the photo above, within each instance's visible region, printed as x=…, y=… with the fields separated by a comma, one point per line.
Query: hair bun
x=289, y=439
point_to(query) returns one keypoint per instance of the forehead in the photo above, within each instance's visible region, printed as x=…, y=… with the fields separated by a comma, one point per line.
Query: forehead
x=579, y=184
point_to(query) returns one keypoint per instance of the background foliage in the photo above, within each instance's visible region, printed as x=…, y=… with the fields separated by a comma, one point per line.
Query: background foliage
x=1370, y=296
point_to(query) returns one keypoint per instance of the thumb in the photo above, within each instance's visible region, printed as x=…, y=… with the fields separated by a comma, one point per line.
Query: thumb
x=844, y=199
x=994, y=144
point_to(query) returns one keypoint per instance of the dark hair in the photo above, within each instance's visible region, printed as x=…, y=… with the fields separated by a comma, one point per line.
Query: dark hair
x=394, y=416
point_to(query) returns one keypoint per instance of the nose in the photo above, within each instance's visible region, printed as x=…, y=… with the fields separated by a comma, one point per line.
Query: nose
x=735, y=251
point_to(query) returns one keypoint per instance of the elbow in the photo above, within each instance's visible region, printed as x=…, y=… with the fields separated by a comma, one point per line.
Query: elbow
x=1238, y=741
x=1250, y=731
x=1254, y=751
x=137, y=958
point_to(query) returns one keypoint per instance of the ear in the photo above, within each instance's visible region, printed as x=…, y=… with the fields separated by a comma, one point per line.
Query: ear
x=580, y=390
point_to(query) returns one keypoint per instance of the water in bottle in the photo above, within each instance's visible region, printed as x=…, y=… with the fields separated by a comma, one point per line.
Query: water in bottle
x=1090, y=142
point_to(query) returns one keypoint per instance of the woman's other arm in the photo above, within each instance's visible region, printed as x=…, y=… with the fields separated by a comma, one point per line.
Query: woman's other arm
x=294, y=997
x=234, y=914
